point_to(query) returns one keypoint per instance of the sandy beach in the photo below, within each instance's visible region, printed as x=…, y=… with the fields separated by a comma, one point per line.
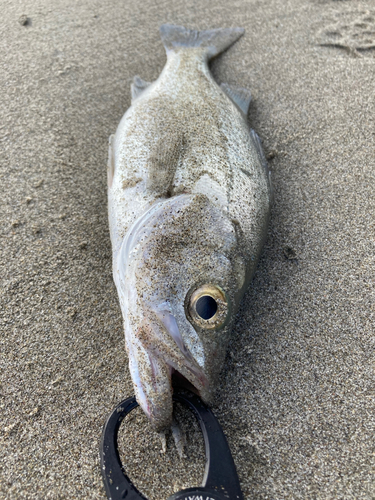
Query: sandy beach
x=297, y=394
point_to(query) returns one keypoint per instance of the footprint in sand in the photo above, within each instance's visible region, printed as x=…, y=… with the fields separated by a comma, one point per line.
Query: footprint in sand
x=353, y=31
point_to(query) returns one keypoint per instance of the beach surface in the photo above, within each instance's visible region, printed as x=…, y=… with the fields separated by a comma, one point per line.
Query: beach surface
x=297, y=393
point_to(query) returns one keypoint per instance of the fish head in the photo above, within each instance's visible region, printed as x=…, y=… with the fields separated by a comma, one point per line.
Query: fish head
x=181, y=275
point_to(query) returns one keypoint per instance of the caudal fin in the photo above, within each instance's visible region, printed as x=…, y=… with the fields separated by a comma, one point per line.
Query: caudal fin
x=214, y=41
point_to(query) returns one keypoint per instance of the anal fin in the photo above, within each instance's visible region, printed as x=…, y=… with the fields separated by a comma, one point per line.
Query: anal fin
x=138, y=87
x=262, y=157
x=240, y=96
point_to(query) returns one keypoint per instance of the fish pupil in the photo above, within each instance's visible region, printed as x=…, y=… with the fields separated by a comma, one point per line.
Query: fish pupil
x=206, y=307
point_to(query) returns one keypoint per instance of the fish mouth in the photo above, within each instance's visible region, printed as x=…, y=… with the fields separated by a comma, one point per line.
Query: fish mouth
x=159, y=361
x=179, y=381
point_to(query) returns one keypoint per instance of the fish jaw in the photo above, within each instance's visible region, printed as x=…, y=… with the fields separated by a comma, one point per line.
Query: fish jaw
x=156, y=350
x=151, y=378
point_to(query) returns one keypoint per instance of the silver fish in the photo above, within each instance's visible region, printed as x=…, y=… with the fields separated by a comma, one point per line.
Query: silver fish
x=189, y=201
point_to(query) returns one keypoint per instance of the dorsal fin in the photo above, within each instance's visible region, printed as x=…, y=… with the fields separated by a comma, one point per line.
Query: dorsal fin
x=138, y=87
x=239, y=95
x=214, y=41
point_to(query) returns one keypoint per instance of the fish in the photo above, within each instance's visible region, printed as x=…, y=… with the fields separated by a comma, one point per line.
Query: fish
x=189, y=199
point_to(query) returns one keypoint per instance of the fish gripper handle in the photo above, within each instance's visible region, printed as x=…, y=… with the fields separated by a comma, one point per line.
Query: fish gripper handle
x=220, y=481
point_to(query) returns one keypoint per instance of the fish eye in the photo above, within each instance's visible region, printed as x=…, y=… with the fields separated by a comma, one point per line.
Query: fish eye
x=207, y=307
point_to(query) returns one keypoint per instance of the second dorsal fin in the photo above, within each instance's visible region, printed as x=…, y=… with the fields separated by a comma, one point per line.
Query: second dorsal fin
x=239, y=95
x=138, y=87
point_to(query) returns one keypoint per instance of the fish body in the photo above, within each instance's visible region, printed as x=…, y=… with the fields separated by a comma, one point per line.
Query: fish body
x=189, y=200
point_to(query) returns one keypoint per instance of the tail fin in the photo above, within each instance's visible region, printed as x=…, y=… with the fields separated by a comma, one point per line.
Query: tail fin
x=214, y=41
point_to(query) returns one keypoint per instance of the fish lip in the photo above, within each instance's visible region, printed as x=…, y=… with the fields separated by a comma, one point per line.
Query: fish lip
x=153, y=388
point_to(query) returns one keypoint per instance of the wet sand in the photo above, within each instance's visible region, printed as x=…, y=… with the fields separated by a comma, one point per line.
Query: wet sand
x=297, y=394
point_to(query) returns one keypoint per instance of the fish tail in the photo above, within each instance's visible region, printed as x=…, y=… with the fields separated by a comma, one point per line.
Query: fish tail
x=214, y=41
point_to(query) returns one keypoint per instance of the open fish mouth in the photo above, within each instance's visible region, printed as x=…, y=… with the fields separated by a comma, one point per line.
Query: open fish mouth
x=159, y=359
